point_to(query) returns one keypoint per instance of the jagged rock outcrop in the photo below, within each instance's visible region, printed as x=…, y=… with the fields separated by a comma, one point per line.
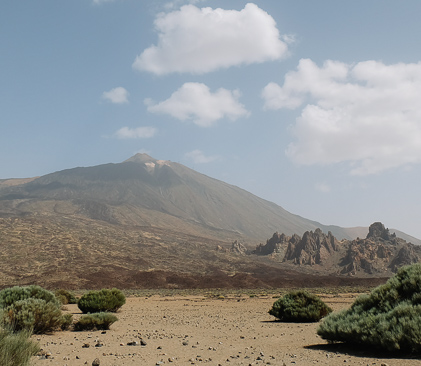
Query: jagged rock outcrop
x=380, y=253
x=312, y=248
x=406, y=255
x=277, y=244
x=378, y=231
x=238, y=248
x=373, y=254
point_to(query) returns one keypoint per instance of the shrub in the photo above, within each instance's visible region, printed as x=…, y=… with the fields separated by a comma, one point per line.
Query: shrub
x=98, y=321
x=33, y=314
x=66, y=321
x=16, y=349
x=388, y=318
x=31, y=308
x=65, y=297
x=100, y=301
x=299, y=306
x=10, y=295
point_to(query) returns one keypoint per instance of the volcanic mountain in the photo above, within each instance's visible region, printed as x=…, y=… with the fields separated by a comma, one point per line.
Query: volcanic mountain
x=148, y=192
x=142, y=222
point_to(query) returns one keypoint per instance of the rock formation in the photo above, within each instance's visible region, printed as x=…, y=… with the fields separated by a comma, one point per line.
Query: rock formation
x=238, y=248
x=380, y=253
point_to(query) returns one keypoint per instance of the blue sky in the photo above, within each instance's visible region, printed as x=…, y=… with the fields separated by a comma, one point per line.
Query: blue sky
x=314, y=105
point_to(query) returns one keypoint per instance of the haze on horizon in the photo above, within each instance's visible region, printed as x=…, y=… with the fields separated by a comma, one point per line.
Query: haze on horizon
x=311, y=105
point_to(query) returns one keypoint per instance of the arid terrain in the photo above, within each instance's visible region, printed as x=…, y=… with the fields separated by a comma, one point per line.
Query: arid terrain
x=201, y=329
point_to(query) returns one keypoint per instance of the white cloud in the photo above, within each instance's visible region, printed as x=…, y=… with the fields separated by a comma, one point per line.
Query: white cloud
x=194, y=101
x=117, y=95
x=198, y=40
x=136, y=133
x=198, y=157
x=367, y=114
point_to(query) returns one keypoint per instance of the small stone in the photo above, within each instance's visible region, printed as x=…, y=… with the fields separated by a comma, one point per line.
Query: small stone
x=95, y=362
x=86, y=345
x=142, y=342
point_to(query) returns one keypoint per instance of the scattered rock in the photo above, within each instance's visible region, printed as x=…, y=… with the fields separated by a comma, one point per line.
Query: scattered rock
x=96, y=362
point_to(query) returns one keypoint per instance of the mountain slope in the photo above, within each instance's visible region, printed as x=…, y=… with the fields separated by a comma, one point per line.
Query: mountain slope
x=146, y=191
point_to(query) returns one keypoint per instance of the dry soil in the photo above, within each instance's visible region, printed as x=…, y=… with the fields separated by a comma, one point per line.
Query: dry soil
x=198, y=330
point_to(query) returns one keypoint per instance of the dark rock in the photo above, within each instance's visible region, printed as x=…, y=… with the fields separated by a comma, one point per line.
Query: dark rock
x=405, y=256
x=377, y=230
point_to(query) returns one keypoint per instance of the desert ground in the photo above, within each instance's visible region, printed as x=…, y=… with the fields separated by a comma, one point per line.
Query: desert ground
x=206, y=330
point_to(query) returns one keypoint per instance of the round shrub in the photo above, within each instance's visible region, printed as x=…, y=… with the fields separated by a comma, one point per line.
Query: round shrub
x=31, y=308
x=96, y=321
x=10, y=295
x=33, y=314
x=389, y=318
x=65, y=297
x=299, y=307
x=101, y=301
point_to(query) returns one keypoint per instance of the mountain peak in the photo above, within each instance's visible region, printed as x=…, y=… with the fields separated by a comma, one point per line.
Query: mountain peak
x=140, y=158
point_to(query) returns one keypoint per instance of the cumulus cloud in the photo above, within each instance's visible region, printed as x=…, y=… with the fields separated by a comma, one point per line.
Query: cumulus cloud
x=117, y=95
x=136, y=133
x=367, y=114
x=195, y=102
x=198, y=40
x=198, y=157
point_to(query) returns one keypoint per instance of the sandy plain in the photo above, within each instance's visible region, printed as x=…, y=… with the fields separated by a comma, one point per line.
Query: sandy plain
x=203, y=330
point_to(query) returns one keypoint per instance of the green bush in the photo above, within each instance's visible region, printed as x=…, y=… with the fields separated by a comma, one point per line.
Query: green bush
x=10, y=295
x=300, y=307
x=388, y=318
x=65, y=297
x=33, y=314
x=16, y=349
x=32, y=308
x=100, y=301
x=66, y=321
x=96, y=321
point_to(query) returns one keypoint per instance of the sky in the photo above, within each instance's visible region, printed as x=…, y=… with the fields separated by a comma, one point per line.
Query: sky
x=313, y=105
